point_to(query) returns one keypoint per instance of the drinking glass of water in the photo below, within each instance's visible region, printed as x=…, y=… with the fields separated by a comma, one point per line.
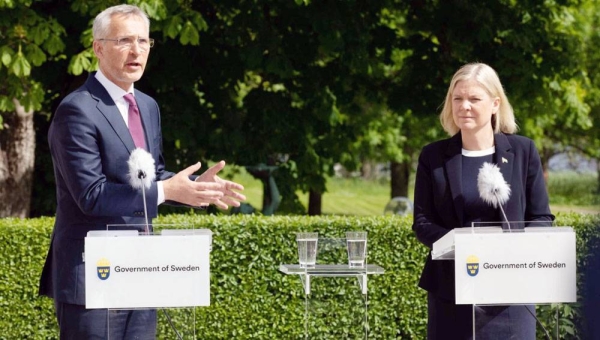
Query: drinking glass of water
x=307, y=248
x=356, y=242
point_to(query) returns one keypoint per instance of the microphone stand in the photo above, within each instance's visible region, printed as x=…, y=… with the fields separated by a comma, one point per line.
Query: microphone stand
x=525, y=306
x=141, y=176
x=503, y=214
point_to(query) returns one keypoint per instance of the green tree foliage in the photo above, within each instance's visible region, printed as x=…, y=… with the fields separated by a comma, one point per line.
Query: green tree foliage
x=29, y=41
x=588, y=18
x=280, y=83
x=536, y=47
x=286, y=84
x=303, y=84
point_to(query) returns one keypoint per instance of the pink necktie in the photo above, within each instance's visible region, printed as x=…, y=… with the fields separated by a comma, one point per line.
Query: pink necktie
x=135, y=122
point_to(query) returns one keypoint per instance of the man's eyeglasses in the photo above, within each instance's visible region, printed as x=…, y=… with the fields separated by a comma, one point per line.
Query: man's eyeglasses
x=143, y=43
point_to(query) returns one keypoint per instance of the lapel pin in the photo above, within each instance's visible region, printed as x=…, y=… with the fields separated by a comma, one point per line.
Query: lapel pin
x=504, y=160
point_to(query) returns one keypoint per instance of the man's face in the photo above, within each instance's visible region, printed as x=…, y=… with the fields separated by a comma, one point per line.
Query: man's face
x=123, y=65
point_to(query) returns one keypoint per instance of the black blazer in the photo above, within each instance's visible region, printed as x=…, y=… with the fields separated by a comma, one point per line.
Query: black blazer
x=90, y=145
x=439, y=201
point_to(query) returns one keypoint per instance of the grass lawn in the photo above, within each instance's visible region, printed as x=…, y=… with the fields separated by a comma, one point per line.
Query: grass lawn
x=355, y=196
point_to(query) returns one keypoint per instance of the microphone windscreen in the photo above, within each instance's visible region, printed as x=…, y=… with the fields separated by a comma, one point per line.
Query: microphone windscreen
x=492, y=187
x=141, y=161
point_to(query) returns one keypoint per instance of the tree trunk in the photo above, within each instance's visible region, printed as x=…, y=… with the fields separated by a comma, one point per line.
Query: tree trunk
x=545, y=159
x=314, y=203
x=17, y=155
x=400, y=173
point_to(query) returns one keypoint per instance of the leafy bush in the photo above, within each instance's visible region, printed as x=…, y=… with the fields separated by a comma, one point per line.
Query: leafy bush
x=250, y=297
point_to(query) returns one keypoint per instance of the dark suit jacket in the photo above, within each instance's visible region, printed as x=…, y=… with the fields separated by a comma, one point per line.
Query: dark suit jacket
x=90, y=145
x=439, y=201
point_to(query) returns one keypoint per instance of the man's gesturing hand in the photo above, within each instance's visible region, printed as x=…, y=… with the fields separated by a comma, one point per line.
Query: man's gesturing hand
x=207, y=189
x=230, y=197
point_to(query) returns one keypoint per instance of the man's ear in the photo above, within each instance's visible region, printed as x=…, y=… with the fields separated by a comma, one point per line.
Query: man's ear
x=98, y=48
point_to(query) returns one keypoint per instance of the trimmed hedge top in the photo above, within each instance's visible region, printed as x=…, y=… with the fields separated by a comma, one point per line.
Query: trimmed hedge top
x=250, y=297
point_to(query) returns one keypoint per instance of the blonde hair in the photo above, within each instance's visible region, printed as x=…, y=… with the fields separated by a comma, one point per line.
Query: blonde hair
x=502, y=121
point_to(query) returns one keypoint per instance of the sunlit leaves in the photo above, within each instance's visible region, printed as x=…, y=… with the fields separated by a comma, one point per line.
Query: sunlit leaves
x=82, y=62
x=39, y=33
x=87, y=37
x=91, y=7
x=7, y=3
x=20, y=66
x=6, y=104
x=155, y=9
x=35, y=54
x=173, y=26
x=6, y=54
x=33, y=36
x=189, y=34
x=54, y=44
x=187, y=26
x=198, y=21
x=33, y=97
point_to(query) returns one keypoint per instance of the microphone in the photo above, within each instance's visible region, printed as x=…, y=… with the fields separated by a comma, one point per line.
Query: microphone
x=492, y=187
x=141, y=174
x=141, y=169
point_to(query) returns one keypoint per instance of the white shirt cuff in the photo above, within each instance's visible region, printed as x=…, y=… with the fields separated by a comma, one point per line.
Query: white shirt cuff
x=161, y=193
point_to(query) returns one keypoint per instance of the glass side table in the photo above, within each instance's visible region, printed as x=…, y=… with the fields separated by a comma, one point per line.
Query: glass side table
x=355, y=300
x=331, y=270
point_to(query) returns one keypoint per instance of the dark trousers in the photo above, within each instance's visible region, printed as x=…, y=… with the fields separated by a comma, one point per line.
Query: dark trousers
x=447, y=320
x=591, y=290
x=78, y=323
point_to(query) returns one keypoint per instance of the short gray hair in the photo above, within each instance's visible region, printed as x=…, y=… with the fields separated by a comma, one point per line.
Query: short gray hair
x=103, y=20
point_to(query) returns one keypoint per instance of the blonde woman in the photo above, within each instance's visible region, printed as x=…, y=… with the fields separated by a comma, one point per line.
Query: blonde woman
x=480, y=121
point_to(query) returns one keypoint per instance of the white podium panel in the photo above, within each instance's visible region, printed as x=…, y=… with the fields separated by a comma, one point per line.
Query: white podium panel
x=526, y=267
x=155, y=271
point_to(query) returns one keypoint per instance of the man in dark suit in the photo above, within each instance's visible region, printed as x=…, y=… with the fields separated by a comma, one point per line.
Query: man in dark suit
x=91, y=142
x=480, y=120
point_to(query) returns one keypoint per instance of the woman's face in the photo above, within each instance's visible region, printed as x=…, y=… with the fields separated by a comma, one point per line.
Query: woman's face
x=472, y=107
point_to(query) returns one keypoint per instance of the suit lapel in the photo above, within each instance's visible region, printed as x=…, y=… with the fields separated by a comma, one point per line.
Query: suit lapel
x=453, y=165
x=109, y=110
x=504, y=156
x=505, y=161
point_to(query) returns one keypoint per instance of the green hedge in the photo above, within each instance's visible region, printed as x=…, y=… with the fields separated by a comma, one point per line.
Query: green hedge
x=250, y=297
